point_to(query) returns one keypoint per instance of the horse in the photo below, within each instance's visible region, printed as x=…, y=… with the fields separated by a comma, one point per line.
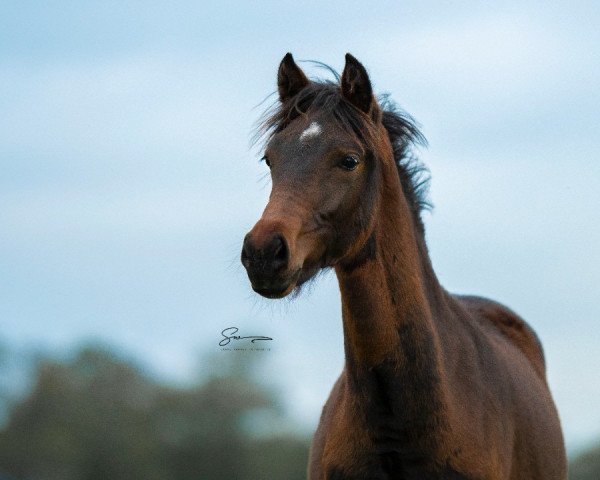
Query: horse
x=434, y=385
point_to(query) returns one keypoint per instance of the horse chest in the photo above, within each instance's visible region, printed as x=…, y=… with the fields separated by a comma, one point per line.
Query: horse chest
x=346, y=450
x=346, y=447
x=350, y=454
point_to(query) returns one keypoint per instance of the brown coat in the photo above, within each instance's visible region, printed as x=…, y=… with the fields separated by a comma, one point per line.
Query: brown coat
x=435, y=386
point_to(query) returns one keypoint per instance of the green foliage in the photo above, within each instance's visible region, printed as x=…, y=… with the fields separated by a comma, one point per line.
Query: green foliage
x=586, y=466
x=98, y=417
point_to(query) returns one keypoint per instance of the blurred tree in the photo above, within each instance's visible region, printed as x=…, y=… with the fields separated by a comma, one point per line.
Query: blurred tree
x=99, y=417
x=586, y=466
x=276, y=458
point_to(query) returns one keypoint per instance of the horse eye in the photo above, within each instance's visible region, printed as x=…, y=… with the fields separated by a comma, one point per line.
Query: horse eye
x=349, y=162
x=266, y=160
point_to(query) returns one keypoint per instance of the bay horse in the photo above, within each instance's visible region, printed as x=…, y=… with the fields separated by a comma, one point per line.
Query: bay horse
x=435, y=385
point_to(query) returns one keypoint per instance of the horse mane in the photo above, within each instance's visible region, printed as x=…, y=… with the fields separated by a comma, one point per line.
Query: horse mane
x=402, y=129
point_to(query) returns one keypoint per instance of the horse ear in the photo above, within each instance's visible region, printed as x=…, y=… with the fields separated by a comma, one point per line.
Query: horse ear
x=356, y=86
x=290, y=79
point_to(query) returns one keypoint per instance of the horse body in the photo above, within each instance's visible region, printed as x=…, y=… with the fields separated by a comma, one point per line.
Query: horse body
x=435, y=386
x=461, y=397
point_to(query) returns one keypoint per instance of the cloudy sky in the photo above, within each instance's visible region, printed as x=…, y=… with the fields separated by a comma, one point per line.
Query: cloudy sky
x=127, y=181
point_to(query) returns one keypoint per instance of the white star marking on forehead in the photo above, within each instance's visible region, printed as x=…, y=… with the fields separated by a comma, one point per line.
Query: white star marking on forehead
x=313, y=130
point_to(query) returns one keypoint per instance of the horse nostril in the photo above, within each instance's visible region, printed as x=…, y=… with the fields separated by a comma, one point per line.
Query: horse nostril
x=247, y=252
x=280, y=252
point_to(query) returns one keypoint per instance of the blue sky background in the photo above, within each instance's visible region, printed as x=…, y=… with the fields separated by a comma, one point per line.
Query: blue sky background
x=127, y=181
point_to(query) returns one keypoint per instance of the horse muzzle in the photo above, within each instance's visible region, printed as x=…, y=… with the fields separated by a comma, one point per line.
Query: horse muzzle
x=266, y=257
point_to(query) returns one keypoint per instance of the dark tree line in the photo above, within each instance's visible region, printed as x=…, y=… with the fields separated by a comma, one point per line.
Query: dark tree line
x=586, y=466
x=98, y=417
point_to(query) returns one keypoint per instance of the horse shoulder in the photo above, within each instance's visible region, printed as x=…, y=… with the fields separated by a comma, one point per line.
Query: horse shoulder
x=510, y=325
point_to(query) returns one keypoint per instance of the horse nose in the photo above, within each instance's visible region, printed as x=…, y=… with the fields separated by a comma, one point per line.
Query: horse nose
x=266, y=256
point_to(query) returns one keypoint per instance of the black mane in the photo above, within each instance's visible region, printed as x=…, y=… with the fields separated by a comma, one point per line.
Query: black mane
x=402, y=130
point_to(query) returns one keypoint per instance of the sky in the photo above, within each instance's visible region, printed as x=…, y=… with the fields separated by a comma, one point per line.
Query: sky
x=127, y=179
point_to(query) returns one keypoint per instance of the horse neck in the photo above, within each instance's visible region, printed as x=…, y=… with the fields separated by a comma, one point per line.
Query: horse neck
x=394, y=361
x=389, y=300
